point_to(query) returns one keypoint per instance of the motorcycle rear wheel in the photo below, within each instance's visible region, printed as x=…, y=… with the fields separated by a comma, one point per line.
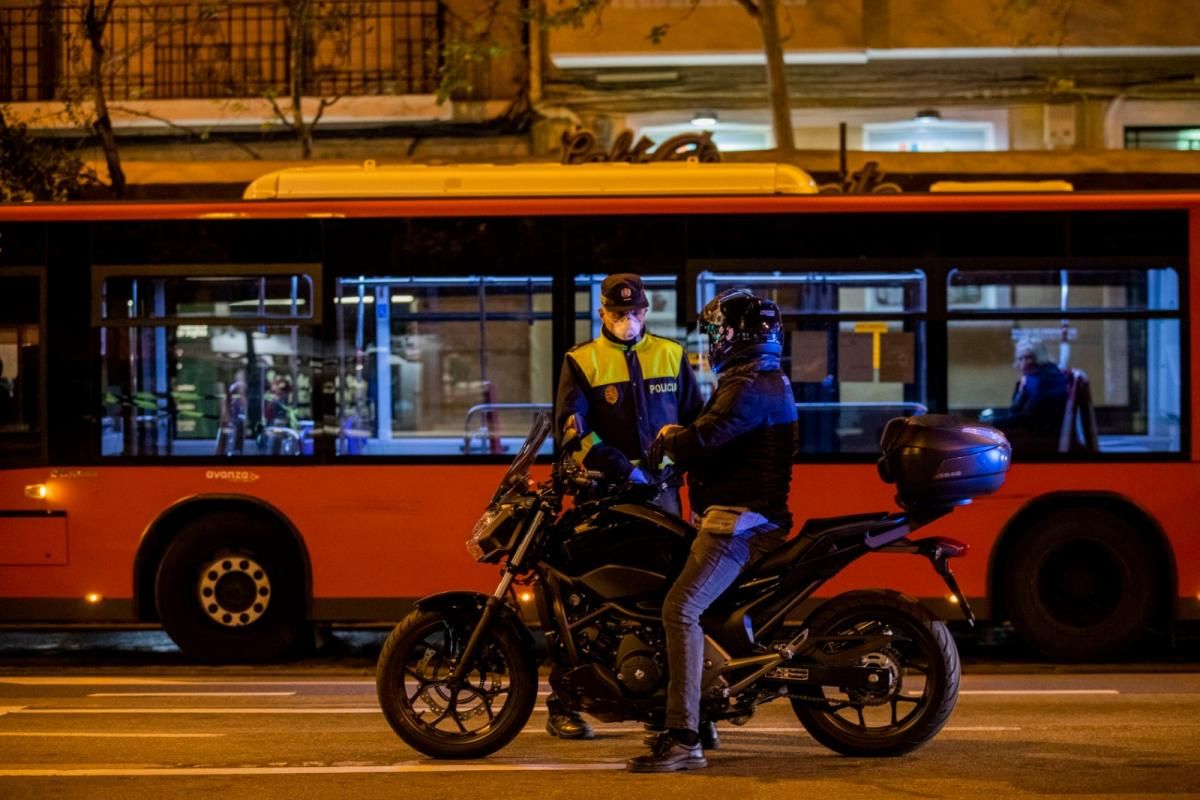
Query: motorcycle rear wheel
x=922, y=656
x=483, y=714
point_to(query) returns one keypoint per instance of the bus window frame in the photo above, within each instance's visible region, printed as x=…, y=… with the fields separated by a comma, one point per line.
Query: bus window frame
x=43, y=456
x=334, y=354
x=922, y=318
x=313, y=323
x=1181, y=265
x=102, y=272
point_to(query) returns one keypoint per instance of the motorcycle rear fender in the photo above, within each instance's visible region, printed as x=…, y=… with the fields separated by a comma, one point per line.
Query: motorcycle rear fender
x=472, y=603
x=938, y=550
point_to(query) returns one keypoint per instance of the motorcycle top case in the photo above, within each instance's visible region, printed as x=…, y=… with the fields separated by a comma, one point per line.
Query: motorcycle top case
x=936, y=459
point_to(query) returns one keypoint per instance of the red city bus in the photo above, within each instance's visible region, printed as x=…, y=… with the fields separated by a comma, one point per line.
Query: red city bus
x=240, y=419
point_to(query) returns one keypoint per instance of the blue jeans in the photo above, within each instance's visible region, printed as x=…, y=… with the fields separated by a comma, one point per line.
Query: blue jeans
x=714, y=563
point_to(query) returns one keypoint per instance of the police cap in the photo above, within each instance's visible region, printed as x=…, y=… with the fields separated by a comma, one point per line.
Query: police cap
x=622, y=292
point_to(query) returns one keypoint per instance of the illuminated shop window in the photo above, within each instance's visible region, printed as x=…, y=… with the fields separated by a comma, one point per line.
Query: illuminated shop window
x=929, y=135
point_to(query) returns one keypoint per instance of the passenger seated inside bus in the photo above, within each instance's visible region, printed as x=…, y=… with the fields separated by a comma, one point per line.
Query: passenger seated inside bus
x=1034, y=421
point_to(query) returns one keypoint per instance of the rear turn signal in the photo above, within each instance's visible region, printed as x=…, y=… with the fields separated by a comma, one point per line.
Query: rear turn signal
x=37, y=491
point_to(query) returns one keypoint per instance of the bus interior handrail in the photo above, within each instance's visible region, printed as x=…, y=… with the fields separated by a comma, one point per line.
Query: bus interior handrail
x=485, y=431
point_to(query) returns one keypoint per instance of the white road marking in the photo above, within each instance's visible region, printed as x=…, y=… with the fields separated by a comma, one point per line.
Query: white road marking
x=90, y=681
x=753, y=729
x=210, y=710
x=1017, y=692
x=206, y=710
x=192, y=694
x=57, y=734
x=153, y=772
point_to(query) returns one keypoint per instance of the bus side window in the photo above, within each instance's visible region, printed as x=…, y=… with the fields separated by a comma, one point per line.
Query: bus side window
x=441, y=365
x=204, y=362
x=854, y=348
x=1084, y=362
x=20, y=368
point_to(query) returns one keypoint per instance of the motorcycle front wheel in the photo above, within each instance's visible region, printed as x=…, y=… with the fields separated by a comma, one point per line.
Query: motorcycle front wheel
x=471, y=720
x=885, y=629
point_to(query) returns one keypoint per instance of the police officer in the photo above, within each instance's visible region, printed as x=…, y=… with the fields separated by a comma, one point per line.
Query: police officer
x=615, y=393
x=738, y=454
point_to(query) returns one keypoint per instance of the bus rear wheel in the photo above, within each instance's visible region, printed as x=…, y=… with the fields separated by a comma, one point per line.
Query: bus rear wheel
x=1080, y=586
x=229, y=589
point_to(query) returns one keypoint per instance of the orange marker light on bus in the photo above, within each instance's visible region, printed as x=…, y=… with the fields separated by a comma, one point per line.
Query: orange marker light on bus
x=525, y=597
x=953, y=598
x=37, y=491
x=93, y=597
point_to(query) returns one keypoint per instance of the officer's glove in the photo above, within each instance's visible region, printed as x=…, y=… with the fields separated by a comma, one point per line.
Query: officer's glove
x=658, y=453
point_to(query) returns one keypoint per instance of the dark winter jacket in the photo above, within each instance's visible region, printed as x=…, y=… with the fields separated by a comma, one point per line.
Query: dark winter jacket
x=739, y=451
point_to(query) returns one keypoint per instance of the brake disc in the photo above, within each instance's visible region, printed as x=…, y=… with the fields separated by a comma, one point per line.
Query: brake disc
x=888, y=659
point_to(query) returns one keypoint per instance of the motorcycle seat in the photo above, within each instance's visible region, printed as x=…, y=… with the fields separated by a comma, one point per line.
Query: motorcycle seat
x=852, y=526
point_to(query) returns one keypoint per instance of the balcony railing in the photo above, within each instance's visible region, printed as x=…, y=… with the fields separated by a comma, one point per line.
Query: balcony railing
x=238, y=48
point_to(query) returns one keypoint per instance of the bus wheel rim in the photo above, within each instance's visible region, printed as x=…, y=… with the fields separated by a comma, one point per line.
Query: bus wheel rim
x=234, y=591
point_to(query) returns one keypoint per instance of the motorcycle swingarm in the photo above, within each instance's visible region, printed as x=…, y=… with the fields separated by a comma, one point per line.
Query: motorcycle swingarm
x=868, y=679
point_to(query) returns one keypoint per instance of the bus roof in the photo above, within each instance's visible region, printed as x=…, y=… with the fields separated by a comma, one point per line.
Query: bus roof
x=996, y=187
x=531, y=180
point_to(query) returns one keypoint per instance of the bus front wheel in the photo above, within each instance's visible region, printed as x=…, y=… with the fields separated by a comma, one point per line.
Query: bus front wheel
x=1080, y=586
x=229, y=589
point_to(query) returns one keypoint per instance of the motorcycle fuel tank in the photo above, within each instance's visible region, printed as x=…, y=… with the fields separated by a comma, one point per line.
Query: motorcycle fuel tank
x=625, y=550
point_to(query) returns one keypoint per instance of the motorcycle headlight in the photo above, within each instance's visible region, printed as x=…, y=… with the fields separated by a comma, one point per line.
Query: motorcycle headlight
x=490, y=537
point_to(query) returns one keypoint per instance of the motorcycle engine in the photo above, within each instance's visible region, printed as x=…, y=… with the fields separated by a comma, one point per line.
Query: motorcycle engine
x=639, y=666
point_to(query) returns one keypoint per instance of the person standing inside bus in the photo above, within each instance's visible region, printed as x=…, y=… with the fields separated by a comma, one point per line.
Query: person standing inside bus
x=615, y=393
x=738, y=455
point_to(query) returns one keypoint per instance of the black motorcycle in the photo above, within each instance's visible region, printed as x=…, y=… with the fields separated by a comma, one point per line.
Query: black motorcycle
x=868, y=673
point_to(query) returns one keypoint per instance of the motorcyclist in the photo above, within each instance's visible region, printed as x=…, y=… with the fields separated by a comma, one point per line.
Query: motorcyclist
x=615, y=393
x=738, y=454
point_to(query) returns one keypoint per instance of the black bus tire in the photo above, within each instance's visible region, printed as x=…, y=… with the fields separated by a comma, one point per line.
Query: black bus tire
x=1080, y=586
x=230, y=589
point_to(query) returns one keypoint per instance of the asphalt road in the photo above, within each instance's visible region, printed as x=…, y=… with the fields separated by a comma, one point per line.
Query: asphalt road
x=160, y=732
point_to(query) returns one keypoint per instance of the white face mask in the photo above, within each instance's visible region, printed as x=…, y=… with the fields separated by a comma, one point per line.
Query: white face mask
x=627, y=328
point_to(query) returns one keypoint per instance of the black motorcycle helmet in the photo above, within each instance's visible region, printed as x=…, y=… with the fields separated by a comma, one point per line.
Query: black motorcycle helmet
x=740, y=325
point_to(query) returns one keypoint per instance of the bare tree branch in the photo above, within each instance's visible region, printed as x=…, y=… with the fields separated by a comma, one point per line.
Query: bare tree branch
x=324, y=103
x=751, y=7
x=279, y=111
x=189, y=130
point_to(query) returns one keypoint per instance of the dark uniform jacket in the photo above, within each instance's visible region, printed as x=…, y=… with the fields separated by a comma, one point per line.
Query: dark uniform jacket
x=626, y=393
x=739, y=451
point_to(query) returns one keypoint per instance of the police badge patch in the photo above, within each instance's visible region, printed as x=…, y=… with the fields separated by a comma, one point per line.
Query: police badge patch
x=611, y=394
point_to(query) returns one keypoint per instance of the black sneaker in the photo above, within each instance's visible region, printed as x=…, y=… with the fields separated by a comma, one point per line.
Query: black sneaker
x=568, y=725
x=709, y=739
x=668, y=755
